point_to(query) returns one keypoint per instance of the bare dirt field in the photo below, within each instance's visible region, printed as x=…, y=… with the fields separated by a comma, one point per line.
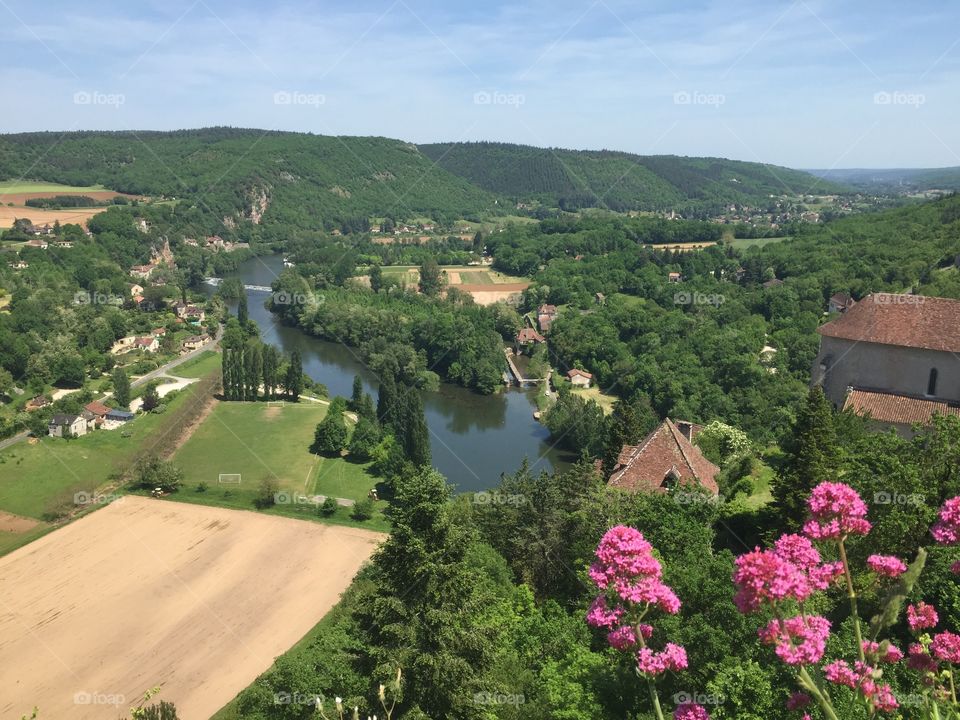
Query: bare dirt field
x=495, y=292
x=44, y=217
x=198, y=600
x=16, y=523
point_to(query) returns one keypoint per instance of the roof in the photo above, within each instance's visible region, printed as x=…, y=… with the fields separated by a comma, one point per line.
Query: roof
x=905, y=320
x=61, y=419
x=146, y=341
x=125, y=414
x=547, y=309
x=529, y=334
x=582, y=373
x=195, y=339
x=665, y=450
x=893, y=408
x=841, y=298
x=773, y=283
x=97, y=408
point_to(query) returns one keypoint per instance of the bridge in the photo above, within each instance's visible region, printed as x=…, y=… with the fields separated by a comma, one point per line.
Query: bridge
x=215, y=282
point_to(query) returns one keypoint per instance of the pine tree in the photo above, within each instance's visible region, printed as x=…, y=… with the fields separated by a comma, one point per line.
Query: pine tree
x=271, y=363
x=430, y=283
x=330, y=436
x=243, y=313
x=628, y=423
x=812, y=457
x=365, y=438
x=376, y=278
x=416, y=434
x=121, y=388
x=294, y=380
x=387, y=402
x=356, y=397
x=252, y=370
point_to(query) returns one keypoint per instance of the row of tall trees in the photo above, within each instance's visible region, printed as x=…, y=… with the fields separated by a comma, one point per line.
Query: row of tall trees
x=256, y=370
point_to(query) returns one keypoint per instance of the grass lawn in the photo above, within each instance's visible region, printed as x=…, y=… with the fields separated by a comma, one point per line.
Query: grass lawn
x=37, y=477
x=205, y=362
x=593, y=393
x=744, y=243
x=27, y=186
x=260, y=441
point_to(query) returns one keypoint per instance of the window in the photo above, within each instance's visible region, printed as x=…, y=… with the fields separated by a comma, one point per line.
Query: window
x=932, y=382
x=670, y=480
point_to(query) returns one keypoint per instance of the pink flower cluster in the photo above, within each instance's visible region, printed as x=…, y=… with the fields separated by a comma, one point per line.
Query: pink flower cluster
x=922, y=616
x=672, y=657
x=799, y=640
x=919, y=659
x=625, y=563
x=882, y=652
x=836, y=511
x=946, y=647
x=690, y=711
x=861, y=678
x=791, y=570
x=946, y=530
x=887, y=565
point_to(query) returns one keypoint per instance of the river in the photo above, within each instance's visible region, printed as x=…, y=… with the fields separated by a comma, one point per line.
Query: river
x=474, y=438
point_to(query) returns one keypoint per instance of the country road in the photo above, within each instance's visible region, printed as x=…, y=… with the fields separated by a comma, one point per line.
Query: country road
x=159, y=372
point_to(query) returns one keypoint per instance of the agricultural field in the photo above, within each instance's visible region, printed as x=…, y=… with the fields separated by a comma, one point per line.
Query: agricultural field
x=744, y=243
x=15, y=193
x=257, y=441
x=196, y=600
x=486, y=285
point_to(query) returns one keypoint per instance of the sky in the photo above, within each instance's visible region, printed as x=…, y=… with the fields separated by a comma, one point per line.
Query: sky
x=806, y=84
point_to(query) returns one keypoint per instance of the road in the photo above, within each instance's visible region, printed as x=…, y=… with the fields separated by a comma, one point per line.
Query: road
x=163, y=369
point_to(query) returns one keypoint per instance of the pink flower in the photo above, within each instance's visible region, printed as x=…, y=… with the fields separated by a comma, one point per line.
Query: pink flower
x=791, y=570
x=861, y=678
x=955, y=568
x=601, y=616
x=690, y=711
x=919, y=659
x=798, y=701
x=883, y=652
x=946, y=530
x=946, y=647
x=840, y=673
x=836, y=511
x=672, y=657
x=623, y=638
x=799, y=640
x=623, y=553
x=887, y=565
x=922, y=616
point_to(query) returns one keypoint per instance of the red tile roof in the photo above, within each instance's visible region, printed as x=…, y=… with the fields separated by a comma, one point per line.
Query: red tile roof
x=582, y=373
x=97, y=408
x=906, y=320
x=530, y=335
x=892, y=408
x=644, y=467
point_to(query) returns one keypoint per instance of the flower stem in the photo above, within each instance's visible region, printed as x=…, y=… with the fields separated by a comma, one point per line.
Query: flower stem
x=655, y=698
x=852, y=595
x=807, y=682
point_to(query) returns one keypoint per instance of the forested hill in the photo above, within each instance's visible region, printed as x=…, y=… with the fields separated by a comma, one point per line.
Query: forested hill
x=620, y=181
x=895, y=180
x=302, y=180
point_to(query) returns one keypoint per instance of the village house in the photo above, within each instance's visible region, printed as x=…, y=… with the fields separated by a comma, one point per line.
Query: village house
x=65, y=244
x=143, y=272
x=67, y=426
x=893, y=358
x=194, y=314
x=40, y=401
x=579, y=378
x=37, y=243
x=840, y=303
x=149, y=343
x=529, y=336
x=664, y=461
x=194, y=342
x=545, y=316
x=99, y=412
x=674, y=277
x=117, y=417
x=124, y=344
x=158, y=332
x=19, y=265
x=135, y=290
x=192, y=242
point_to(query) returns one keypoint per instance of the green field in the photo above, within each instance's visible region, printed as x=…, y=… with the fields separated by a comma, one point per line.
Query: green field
x=260, y=441
x=36, y=478
x=744, y=243
x=30, y=186
x=205, y=362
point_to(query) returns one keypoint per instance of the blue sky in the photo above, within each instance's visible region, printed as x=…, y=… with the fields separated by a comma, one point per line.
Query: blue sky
x=803, y=84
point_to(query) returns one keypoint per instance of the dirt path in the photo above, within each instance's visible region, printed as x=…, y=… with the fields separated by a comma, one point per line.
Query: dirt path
x=198, y=600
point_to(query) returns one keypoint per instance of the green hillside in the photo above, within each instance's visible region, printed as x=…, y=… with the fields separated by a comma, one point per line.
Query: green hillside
x=895, y=180
x=308, y=180
x=617, y=180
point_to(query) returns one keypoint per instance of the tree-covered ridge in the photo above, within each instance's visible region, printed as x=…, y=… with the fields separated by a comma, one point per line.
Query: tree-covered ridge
x=618, y=180
x=308, y=181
